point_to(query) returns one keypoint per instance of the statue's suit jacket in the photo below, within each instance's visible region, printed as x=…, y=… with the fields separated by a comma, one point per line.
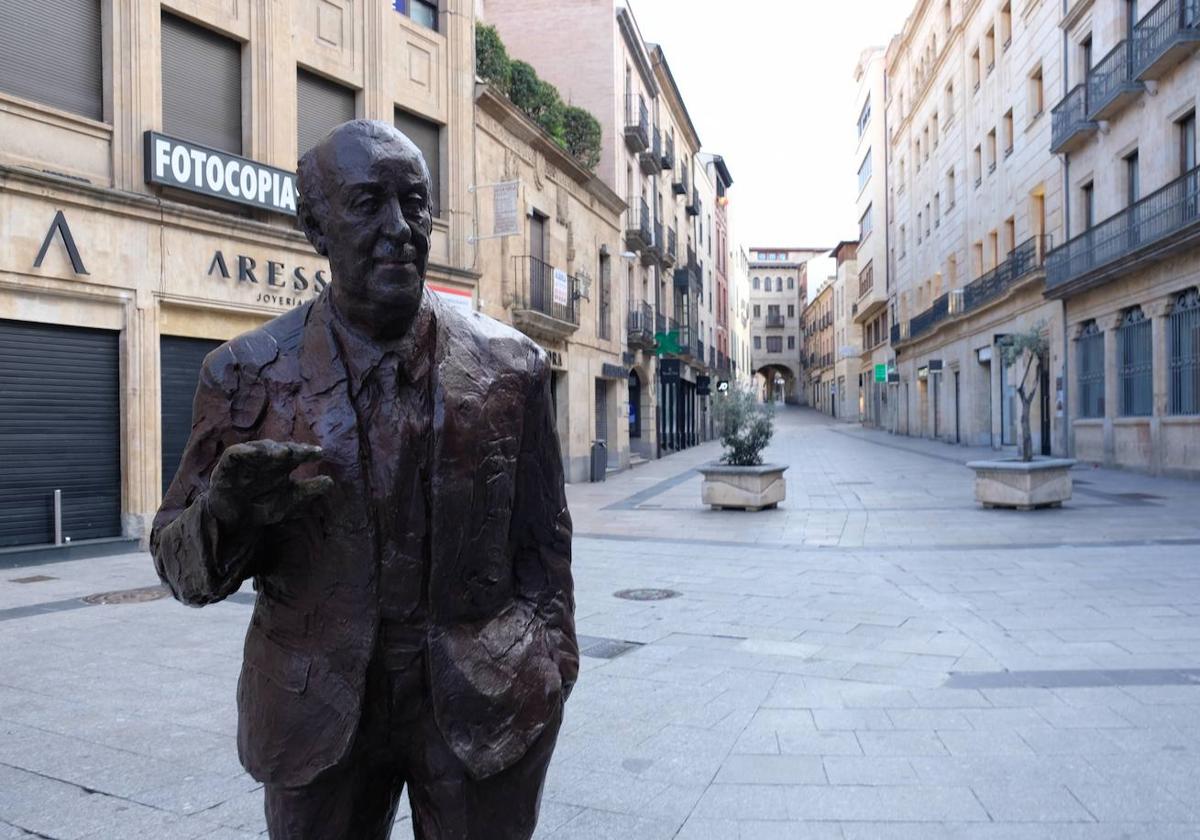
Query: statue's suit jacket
x=501, y=649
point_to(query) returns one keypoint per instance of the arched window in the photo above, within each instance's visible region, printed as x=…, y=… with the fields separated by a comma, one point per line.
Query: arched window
x=779, y=284
x=1183, y=330
x=791, y=283
x=1090, y=352
x=1135, y=364
x=756, y=284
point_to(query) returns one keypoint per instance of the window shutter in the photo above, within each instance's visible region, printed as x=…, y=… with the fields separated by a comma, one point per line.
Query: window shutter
x=50, y=52
x=426, y=135
x=201, y=85
x=321, y=106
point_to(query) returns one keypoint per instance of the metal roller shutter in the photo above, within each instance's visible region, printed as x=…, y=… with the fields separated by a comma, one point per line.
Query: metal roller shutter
x=321, y=106
x=50, y=52
x=60, y=428
x=201, y=85
x=427, y=137
x=179, y=364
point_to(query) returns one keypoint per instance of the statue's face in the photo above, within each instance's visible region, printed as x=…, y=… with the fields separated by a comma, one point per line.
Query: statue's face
x=379, y=222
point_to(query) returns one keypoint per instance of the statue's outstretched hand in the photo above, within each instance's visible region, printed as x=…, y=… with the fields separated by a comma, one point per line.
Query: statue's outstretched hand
x=252, y=484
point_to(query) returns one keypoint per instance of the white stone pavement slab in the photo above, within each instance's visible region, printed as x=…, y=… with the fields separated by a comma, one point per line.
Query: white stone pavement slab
x=878, y=658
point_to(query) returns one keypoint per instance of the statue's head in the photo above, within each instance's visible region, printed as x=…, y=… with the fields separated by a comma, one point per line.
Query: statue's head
x=365, y=204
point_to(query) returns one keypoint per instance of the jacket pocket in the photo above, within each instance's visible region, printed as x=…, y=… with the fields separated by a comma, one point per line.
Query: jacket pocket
x=286, y=668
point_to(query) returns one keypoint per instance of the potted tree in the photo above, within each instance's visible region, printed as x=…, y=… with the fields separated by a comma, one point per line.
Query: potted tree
x=741, y=479
x=1026, y=482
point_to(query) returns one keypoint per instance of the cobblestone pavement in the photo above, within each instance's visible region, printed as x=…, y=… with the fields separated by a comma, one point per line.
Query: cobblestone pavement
x=879, y=658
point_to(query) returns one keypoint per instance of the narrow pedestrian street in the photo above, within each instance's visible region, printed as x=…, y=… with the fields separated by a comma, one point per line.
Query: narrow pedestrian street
x=878, y=658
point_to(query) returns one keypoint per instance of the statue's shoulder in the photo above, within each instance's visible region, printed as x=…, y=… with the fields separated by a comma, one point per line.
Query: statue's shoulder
x=254, y=351
x=500, y=344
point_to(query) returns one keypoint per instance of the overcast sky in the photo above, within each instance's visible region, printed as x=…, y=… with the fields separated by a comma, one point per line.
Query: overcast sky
x=770, y=86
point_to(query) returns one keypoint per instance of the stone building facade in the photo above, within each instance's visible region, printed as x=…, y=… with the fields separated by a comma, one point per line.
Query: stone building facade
x=976, y=202
x=555, y=280
x=849, y=378
x=1127, y=270
x=820, y=348
x=778, y=295
x=148, y=199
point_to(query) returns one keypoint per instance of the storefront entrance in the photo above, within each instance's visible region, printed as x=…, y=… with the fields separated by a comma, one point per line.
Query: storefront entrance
x=179, y=365
x=60, y=429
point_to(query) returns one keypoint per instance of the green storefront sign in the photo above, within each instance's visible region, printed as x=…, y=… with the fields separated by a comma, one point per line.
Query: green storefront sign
x=881, y=373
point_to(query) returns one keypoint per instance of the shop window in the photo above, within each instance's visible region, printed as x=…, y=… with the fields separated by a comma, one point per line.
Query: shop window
x=419, y=11
x=1183, y=329
x=51, y=52
x=427, y=137
x=201, y=85
x=1090, y=353
x=1134, y=374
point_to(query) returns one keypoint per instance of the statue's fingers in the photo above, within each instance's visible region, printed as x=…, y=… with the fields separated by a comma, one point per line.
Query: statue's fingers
x=312, y=488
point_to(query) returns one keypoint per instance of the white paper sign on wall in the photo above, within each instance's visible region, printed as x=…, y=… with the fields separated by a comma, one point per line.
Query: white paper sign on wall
x=561, y=287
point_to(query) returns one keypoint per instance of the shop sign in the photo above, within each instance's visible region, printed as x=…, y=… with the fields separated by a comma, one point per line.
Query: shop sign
x=893, y=377
x=668, y=371
x=60, y=226
x=935, y=365
x=610, y=371
x=278, y=286
x=555, y=357
x=199, y=169
x=703, y=386
x=881, y=373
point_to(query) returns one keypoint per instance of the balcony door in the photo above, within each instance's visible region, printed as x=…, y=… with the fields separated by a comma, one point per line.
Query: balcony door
x=539, y=294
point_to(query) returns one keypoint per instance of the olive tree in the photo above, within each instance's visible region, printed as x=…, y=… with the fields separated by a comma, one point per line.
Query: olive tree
x=1032, y=348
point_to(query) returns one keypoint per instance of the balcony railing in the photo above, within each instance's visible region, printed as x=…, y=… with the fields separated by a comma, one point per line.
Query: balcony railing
x=667, y=162
x=640, y=326
x=927, y=320
x=651, y=157
x=1111, y=83
x=660, y=322
x=671, y=255
x=679, y=186
x=1160, y=222
x=895, y=333
x=775, y=319
x=638, y=235
x=550, y=293
x=1165, y=36
x=700, y=350
x=866, y=281
x=1070, y=125
x=687, y=275
x=654, y=253
x=637, y=123
x=693, y=207
x=987, y=287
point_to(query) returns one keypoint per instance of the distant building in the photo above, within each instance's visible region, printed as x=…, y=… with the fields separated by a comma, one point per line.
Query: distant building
x=778, y=294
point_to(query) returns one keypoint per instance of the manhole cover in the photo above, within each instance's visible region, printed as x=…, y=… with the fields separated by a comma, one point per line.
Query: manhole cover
x=128, y=596
x=647, y=594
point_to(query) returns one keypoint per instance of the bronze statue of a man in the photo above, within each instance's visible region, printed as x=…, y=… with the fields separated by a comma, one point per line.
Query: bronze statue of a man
x=385, y=468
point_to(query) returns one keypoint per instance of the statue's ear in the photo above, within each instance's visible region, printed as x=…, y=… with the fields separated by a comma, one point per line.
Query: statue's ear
x=311, y=227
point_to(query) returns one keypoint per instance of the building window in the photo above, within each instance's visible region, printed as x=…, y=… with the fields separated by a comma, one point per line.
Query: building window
x=1134, y=373
x=201, y=85
x=976, y=69
x=991, y=151
x=604, y=310
x=949, y=103
x=757, y=311
x=1090, y=352
x=1006, y=25
x=864, y=171
x=978, y=162
x=1133, y=183
x=1037, y=94
x=779, y=284
x=1187, y=143
x=758, y=342
x=950, y=190
x=791, y=342
x=321, y=106
x=1087, y=195
x=864, y=224
x=864, y=117
x=427, y=137
x=989, y=48
x=774, y=344
x=1007, y=127
x=791, y=310
x=52, y=53
x=420, y=11
x=755, y=284
x=1183, y=329
x=791, y=284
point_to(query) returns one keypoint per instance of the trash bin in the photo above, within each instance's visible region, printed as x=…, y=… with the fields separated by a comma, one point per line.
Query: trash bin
x=599, y=460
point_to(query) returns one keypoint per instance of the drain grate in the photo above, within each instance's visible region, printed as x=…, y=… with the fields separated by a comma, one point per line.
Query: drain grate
x=32, y=579
x=647, y=594
x=127, y=596
x=598, y=648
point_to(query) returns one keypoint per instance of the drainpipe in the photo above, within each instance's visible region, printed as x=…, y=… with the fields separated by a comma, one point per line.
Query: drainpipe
x=1067, y=442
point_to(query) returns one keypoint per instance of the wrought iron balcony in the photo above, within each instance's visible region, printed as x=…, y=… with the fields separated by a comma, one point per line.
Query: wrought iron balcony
x=680, y=185
x=931, y=317
x=687, y=274
x=650, y=159
x=640, y=326
x=1022, y=261
x=671, y=254
x=700, y=350
x=1070, y=126
x=895, y=333
x=1162, y=223
x=775, y=319
x=1111, y=83
x=638, y=234
x=1165, y=36
x=637, y=123
x=667, y=161
x=654, y=253
x=546, y=303
x=693, y=208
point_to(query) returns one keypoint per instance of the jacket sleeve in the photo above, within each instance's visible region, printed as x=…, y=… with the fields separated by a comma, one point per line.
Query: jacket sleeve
x=194, y=555
x=543, y=527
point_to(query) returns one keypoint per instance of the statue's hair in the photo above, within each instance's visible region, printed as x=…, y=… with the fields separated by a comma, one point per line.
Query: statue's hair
x=312, y=205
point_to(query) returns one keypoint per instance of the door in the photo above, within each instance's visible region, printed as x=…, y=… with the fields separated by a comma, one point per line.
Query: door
x=60, y=429
x=179, y=372
x=635, y=404
x=602, y=410
x=539, y=294
x=957, y=405
x=1044, y=390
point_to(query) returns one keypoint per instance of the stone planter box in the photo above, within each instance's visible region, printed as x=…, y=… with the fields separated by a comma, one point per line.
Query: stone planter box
x=748, y=488
x=1042, y=482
